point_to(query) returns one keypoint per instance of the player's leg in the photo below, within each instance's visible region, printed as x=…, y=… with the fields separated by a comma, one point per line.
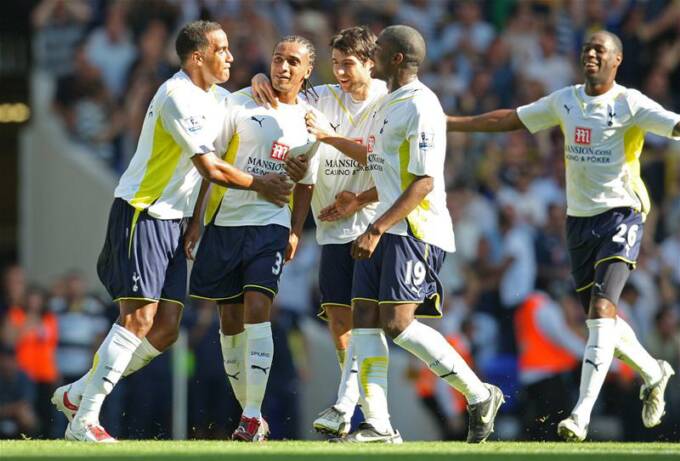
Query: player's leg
x=413, y=285
x=233, y=345
x=616, y=252
x=335, y=283
x=110, y=360
x=434, y=350
x=262, y=265
x=369, y=346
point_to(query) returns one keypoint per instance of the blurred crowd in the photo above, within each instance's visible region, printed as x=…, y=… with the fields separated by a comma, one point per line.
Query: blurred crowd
x=505, y=194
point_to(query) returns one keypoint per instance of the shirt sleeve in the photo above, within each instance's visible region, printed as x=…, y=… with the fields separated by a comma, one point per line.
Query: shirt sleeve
x=651, y=116
x=187, y=124
x=426, y=136
x=539, y=115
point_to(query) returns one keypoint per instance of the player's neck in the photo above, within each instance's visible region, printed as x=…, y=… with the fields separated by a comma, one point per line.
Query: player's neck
x=360, y=93
x=401, y=78
x=597, y=88
x=197, y=79
x=288, y=97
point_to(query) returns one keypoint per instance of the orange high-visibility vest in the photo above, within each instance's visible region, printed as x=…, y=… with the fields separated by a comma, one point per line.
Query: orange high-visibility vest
x=36, y=348
x=536, y=351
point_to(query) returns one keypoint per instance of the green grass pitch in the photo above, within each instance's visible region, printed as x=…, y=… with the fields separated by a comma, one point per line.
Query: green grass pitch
x=26, y=450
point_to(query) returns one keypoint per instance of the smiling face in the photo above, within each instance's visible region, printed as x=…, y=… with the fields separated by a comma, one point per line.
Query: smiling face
x=290, y=66
x=349, y=71
x=216, y=59
x=600, y=59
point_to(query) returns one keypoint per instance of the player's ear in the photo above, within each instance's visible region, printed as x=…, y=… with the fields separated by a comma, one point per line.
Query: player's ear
x=308, y=72
x=398, y=59
x=197, y=57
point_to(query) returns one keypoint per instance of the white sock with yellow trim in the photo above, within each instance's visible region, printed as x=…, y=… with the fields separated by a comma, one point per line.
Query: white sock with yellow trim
x=111, y=359
x=233, y=359
x=372, y=355
x=259, y=355
x=629, y=349
x=431, y=347
x=141, y=357
x=597, y=359
x=348, y=389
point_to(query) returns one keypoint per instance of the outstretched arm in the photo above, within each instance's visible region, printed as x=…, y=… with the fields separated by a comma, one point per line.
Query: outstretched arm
x=497, y=120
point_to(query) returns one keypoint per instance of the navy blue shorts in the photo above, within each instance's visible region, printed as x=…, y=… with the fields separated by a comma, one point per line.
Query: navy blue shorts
x=143, y=257
x=401, y=270
x=232, y=260
x=335, y=276
x=613, y=235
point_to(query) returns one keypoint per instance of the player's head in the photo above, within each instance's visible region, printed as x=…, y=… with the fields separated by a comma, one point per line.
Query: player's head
x=398, y=48
x=351, y=51
x=601, y=56
x=202, y=47
x=292, y=64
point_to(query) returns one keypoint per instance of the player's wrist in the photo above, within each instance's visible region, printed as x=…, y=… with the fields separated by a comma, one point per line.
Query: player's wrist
x=375, y=229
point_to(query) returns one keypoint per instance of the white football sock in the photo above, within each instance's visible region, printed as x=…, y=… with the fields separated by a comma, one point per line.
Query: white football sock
x=75, y=392
x=372, y=355
x=233, y=358
x=629, y=349
x=110, y=360
x=141, y=357
x=596, y=361
x=259, y=354
x=431, y=347
x=348, y=389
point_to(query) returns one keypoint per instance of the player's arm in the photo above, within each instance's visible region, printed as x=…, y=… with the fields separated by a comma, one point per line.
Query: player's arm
x=193, y=232
x=349, y=147
x=302, y=197
x=497, y=120
x=414, y=194
x=347, y=203
x=272, y=187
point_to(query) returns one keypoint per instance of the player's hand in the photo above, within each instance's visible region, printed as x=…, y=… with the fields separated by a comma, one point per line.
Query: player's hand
x=297, y=167
x=345, y=205
x=191, y=237
x=314, y=127
x=274, y=188
x=291, y=249
x=263, y=93
x=364, y=246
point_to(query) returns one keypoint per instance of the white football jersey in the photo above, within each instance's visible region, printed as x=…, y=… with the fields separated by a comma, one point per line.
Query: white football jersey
x=256, y=140
x=338, y=172
x=407, y=138
x=603, y=139
x=182, y=120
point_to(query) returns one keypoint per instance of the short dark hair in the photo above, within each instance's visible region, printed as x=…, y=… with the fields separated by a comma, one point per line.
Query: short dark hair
x=356, y=41
x=407, y=41
x=618, y=45
x=194, y=37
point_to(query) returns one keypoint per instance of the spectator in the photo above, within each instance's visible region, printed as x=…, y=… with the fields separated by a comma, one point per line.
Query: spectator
x=17, y=397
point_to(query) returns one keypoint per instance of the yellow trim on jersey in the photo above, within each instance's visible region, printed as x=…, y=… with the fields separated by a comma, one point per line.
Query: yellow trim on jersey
x=585, y=287
x=391, y=103
x=415, y=219
x=162, y=164
x=217, y=192
x=174, y=301
x=437, y=306
x=342, y=105
x=217, y=300
x=364, y=299
x=252, y=285
x=371, y=366
x=609, y=258
x=633, y=141
x=135, y=217
x=124, y=298
x=243, y=92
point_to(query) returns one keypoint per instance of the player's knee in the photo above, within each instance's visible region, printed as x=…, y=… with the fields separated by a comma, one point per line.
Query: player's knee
x=340, y=325
x=138, y=322
x=393, y=326
x=601, y=308
x=166, y=338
